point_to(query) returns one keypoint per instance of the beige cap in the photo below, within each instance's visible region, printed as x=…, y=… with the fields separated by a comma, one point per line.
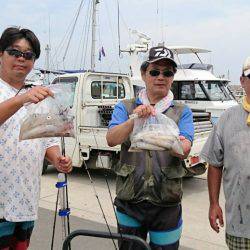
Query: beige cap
x=246, y=67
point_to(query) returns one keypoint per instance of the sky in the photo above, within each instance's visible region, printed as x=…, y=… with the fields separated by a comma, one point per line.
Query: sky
x=221, y=26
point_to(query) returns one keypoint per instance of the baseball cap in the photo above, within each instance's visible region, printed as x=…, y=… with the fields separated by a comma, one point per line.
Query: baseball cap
x=246, y=67
x=159, y=53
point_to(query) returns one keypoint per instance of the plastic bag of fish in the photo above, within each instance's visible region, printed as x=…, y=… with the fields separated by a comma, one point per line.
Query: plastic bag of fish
x=155, y=133
x=51, y=117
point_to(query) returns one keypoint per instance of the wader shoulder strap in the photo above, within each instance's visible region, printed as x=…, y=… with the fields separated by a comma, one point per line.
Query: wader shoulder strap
x=175, y=112
x=130, y=105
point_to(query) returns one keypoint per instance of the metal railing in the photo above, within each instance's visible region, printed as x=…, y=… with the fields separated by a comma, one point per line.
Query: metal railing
x=105, y=235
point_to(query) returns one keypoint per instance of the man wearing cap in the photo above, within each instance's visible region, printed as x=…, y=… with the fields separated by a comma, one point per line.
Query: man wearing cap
x=227, y=151
x=149, y=183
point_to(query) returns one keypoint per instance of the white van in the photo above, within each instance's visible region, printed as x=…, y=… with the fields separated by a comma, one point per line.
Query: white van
x=96, y=93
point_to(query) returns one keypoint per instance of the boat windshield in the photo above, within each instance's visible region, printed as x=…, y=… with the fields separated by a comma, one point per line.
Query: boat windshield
x=216, y=91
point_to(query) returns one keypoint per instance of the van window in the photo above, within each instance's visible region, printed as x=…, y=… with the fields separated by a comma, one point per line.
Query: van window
x=107, y=90
x=192, y=91
x=67, y=80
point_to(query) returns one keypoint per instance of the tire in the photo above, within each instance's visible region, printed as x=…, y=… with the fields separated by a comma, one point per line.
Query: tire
x=45, y=166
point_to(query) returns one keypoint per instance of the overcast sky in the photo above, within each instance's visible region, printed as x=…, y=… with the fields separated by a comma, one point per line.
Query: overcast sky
x=221, y=26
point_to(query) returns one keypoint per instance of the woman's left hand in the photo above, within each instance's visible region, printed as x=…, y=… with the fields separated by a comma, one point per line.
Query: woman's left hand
x=64, y=164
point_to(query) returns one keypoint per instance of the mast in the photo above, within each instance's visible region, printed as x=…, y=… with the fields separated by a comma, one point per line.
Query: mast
x=93, y=44
x=47, y=64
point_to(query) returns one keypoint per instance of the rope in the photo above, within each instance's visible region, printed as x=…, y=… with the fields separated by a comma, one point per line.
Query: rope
x=87, y=30
x=81, y=44
x=73, y=29
x=113, y=39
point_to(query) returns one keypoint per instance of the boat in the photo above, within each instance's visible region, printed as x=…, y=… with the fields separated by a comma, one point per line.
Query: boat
x=194, y=83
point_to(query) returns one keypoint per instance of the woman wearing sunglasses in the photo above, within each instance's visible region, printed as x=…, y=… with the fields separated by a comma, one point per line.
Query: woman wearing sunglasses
x=20, y=161
x=149, y=184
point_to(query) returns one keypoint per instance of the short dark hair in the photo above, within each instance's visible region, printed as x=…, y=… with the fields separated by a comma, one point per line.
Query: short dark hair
x=145, y=64
x=12, y=34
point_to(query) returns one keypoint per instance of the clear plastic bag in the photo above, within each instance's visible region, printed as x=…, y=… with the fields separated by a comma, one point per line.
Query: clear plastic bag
x=51, y=117
x=155, y=133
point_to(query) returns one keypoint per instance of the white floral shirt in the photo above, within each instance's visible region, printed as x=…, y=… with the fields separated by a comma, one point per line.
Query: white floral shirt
x=20, y=166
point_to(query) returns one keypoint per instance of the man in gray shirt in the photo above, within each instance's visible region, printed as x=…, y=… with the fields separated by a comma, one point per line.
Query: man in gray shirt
x=227, y=152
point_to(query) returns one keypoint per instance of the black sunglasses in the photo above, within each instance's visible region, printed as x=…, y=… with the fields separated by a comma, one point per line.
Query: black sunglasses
x=165, y=73
x=29, y=55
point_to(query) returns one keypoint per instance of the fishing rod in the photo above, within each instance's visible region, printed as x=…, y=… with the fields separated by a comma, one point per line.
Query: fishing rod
x=99, y=202
x=63, y=201
x=108, y=235
x=100, y=234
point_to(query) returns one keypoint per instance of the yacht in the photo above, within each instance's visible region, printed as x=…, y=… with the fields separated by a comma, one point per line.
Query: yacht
x=194, y=83
x=197, y=86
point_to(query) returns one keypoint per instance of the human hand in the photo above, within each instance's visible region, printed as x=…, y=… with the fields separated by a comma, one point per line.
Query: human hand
x=216, y=214
x=182, y=138
x=35, y=95
x=144, y=111
x=63, y=164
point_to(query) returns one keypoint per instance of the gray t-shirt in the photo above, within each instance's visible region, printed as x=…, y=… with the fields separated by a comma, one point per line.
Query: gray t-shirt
x=228, y=146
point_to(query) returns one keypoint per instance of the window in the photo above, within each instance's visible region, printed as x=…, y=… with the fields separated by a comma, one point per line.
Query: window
x=192, y=91
x=216, y=91
x=67, y=80
x=137, y=89
x=174, y=89
x=107, y=90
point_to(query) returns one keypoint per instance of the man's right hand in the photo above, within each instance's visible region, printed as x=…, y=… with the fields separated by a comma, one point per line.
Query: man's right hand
x=144, y=111
x=35, y=95
x=216, y=214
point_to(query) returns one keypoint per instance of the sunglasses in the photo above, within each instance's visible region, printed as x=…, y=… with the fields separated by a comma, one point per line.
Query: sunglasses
x=29, y=55
x=165, y=73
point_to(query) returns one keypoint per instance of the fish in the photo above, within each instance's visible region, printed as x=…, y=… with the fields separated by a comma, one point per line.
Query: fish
x=177, y=147
x=47, y=125
x=139, y=146
x=156, y=140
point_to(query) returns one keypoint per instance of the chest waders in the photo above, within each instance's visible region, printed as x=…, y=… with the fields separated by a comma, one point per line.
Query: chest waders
x=154, y=176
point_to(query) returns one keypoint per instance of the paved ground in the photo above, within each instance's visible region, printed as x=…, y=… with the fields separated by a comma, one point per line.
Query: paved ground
x=41, y=238
x=86, y=213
